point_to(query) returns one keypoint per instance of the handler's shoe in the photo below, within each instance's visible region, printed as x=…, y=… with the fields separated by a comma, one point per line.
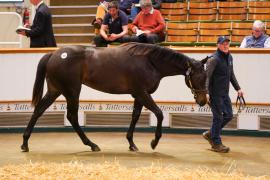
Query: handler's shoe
x=220, y=148
x=206, y=135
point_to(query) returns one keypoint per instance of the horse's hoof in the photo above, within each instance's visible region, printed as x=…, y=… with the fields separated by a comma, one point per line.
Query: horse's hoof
x=24, y=148
x=133, y=148
x=153, y=144
x=95, y=148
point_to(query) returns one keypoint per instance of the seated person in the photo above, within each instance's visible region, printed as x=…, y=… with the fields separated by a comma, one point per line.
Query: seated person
x=148, y=25
x=258, y=39
x=135, y=8
x=125, y=6
x=114, y=27
x=102, y=9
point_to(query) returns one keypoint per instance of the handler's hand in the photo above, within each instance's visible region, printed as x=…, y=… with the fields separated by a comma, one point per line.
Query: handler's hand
x=240, y=93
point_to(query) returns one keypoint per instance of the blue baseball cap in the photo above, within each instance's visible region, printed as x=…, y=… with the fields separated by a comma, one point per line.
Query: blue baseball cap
x=222, y=39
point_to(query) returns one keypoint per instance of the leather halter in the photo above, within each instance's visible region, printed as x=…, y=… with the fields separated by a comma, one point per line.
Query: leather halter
x=193, y=90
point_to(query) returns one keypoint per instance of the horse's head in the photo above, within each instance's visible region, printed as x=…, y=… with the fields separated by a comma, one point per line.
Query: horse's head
x=195, y=79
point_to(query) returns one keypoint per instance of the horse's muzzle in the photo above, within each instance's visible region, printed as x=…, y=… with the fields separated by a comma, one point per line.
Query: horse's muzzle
x=200, y=99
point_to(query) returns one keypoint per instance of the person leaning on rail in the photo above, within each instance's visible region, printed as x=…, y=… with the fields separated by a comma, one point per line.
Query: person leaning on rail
x=258, y=39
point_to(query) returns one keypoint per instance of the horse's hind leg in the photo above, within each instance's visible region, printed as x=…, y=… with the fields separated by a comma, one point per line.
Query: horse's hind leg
x=135, y=116
x=72, y=115
x=146, y=100
x=44, y=103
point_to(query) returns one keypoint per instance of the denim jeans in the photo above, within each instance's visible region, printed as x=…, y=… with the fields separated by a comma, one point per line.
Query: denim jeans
x=221, y=107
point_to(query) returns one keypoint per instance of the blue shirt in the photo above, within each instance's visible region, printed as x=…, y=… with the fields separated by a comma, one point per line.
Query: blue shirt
x=115, y=26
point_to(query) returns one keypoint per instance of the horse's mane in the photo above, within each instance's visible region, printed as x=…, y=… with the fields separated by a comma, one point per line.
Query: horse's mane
x=155, y=52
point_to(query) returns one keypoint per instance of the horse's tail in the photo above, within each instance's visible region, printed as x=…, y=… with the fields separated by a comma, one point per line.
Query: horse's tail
x=40, y=77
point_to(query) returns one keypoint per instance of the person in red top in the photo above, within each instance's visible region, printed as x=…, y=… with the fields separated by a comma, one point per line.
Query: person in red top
x=148, y=25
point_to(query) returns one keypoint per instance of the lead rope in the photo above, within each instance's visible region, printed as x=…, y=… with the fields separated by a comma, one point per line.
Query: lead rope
x=242, y=103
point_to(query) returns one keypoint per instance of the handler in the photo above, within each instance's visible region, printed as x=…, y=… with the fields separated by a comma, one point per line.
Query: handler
x=219, y=75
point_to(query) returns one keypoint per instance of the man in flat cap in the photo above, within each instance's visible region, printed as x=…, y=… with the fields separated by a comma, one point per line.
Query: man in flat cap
x=219, y=75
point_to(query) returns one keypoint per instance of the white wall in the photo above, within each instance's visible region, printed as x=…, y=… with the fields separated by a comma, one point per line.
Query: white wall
x=17, y=74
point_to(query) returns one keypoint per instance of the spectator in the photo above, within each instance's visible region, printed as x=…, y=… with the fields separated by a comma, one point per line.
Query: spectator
x=219, y=76
x=41, y=33
x=156, y=4
x=102, y=9
x=135, y=8
x=148, y=25
x=114, y=27
x=125, y=6
x=258, y=39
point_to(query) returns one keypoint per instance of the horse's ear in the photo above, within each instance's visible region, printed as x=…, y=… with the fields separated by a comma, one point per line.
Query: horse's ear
x=203, y=61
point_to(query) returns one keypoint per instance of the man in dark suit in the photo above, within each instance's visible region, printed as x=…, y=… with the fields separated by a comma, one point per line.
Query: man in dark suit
x=41, y=33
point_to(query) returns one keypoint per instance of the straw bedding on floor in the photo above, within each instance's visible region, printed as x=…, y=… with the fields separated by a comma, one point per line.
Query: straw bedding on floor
x=113, y=171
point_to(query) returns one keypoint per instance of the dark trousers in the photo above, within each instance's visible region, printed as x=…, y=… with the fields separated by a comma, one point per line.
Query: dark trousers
x=221, y=107
x=101, y=42
x=151, y=38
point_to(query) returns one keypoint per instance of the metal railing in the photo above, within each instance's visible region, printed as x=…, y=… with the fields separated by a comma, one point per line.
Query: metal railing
x=20, y=23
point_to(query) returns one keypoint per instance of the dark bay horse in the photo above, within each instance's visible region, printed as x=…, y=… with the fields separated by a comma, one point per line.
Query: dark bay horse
x=131, y=68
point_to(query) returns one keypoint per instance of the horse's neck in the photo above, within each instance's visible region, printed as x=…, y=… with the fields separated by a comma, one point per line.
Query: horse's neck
x=172, y=67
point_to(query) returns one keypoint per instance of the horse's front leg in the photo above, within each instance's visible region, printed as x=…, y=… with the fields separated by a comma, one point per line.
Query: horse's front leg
x=45, y=102
x=149, y=103
x=72, y=115
x=158, y=113
x=135, y=116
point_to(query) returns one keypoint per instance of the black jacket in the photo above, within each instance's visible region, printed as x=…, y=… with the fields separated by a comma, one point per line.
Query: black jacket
x=220, y=73
x=41, y=34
